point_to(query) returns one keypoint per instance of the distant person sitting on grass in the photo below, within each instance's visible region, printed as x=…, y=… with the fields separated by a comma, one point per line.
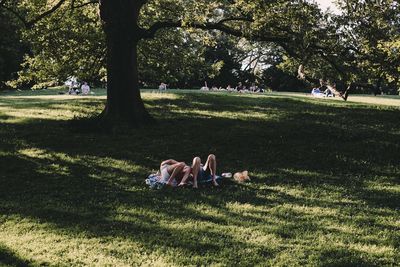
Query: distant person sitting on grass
x=85, y=88
x=316, y=92
x=240, y=87
x=328, y=92
x=71, y=90
x=260, y=90
x=253, y=88
x=162, y=87
x=205, y=87
x=202, y=172
x=322, y=85
x=172, y=171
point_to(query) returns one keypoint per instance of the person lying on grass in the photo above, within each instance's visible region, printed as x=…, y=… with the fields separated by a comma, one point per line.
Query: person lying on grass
x=172, y=171
x=200, y=172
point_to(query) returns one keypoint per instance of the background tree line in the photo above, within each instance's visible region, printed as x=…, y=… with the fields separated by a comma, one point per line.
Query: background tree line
x=129, y=43
x=362, y=42
x=59, y=47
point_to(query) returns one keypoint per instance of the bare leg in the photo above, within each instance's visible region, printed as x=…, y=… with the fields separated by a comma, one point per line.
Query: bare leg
x=211, y=163
x=186, y=173
x=175, y=169
x=195, y=170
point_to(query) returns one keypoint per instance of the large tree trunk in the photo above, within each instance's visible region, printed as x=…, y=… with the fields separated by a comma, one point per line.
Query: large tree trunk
x=123, y=95
x=124, y=103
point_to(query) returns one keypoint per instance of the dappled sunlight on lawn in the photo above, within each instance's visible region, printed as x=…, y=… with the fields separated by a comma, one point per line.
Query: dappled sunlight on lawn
x=378, y=100
x=22, y=110
x=102, y=168
x=324, y=189
x=76, y=248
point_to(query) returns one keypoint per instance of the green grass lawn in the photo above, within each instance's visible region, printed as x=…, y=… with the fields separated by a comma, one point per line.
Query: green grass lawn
x=325, y=187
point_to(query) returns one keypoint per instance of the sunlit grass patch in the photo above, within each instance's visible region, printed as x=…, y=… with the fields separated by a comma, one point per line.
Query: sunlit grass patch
x=47, y=244
x=24, y=110
x=385, y=187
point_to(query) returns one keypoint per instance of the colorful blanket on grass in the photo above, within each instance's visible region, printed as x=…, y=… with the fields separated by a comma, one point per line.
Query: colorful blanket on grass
x=154, y=181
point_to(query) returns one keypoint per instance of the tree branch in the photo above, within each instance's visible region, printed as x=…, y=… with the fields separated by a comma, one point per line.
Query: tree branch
x=85, y=4
x=45, y=14
x=150, y=32
x=32, y=22
x=236, y=19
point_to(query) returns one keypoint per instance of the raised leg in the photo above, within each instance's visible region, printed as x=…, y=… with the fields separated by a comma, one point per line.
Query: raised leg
x=211, y=164
x=195, y=170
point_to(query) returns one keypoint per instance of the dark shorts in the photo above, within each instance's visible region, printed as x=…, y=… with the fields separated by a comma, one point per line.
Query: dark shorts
x=204, y=175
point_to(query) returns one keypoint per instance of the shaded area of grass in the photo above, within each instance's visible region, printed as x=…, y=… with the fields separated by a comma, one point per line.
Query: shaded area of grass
x=8, y=258
x=325, y=189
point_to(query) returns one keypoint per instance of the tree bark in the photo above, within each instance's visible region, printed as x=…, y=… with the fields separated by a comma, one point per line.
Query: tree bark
x=124, y=103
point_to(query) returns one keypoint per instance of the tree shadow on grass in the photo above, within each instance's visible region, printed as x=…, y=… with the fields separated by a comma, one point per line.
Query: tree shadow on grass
x=90, y=206
x=76, y=189
x=341, y=257
x=229, y=138
x=86, y=205
x=9, y=258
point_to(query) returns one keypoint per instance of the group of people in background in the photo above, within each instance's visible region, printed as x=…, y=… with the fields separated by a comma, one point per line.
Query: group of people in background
x=324, y=89
x=74, y=89
x=239, y=88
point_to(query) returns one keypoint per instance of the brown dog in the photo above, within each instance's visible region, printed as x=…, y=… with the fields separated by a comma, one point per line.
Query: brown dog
x=241, y=177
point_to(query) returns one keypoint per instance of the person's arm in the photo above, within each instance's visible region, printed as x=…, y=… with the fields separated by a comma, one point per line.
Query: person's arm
x=168, y=161
x=178, y=168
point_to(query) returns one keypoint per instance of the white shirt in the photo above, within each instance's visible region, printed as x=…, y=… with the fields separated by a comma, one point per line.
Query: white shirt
x=85, y=88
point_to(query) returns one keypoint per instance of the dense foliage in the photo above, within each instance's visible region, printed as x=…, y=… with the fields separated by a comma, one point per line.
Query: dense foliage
x=361, y=44
x=12, y=49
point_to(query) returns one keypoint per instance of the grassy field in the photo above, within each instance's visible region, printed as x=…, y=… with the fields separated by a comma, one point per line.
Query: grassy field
x=325, y=187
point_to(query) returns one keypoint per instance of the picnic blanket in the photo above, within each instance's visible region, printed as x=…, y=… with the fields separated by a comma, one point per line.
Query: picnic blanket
x=154, y=181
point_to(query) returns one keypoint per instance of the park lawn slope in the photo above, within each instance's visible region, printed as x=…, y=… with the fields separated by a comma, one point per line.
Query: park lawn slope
x=325, y=189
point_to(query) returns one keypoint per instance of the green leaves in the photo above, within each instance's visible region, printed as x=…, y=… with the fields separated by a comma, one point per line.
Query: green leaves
x=67, y=43
x=361, y=44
